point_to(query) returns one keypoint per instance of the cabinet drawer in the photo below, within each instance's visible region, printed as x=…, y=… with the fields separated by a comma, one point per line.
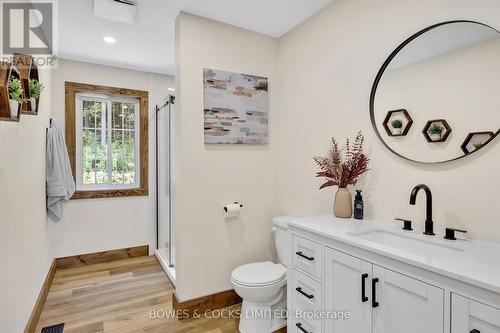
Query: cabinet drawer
x=471, y=316
x=307, y=298
x=307, y=256
x=486, y=315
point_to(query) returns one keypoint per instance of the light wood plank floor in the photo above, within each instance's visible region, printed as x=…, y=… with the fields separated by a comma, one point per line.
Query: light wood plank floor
x=117, y=297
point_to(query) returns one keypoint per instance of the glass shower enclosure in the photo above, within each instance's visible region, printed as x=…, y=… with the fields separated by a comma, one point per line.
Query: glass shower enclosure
x=165, y=249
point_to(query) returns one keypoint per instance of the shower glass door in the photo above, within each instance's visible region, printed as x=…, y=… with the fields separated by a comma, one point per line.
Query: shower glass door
x=165, y=252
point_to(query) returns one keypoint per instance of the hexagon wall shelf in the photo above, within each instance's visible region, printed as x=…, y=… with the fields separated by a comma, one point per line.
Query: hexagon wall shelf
x=28, y=71
x=7, y=71
x=472, y=143
x=407, y=122
x=444, y=136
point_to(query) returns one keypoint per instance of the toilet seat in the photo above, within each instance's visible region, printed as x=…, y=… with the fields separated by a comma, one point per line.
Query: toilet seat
x=259, y=274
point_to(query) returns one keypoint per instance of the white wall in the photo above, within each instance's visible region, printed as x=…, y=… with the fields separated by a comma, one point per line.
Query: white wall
x=209, y=176
x=104, y=224
x=25, y=237
x=327, y=67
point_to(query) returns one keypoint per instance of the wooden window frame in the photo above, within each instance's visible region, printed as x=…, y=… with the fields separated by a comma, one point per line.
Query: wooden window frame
x=73, y=88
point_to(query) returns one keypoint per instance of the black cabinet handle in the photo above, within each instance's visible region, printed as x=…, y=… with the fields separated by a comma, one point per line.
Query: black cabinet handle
x=475, y=331
x=374, y=293
x=299, y=325
x=364, y=298
x=299, y=289
x=300, y=254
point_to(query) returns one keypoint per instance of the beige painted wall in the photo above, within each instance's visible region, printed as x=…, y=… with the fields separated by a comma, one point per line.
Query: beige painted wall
x=25, y=234
x=209, y=176
x=326, y=70
x=28, y=241
x=111, y=223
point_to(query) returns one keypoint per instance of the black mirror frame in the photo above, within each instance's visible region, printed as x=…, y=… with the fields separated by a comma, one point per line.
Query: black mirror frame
x=381, y=73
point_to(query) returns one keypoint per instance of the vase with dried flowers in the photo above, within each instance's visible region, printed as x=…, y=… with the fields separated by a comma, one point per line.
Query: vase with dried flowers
x=342, y=167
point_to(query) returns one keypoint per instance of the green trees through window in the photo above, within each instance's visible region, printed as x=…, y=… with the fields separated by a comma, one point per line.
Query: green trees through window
x=108, y=141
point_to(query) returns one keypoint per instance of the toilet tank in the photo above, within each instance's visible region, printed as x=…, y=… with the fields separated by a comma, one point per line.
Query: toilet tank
x=282, y=239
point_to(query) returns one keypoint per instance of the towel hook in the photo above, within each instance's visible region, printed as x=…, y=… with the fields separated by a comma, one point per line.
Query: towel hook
x=50, y=126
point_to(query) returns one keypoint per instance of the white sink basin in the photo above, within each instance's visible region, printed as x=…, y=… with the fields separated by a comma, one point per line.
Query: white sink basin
x=466, y=260
x=420, y=245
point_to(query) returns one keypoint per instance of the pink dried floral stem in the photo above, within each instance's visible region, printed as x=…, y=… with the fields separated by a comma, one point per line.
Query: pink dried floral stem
x=343, y=166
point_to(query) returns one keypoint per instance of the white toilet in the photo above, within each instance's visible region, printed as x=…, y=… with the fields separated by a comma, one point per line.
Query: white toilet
x=262, y=286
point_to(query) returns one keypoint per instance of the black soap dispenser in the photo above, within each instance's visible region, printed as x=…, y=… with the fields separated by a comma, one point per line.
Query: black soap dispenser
x=358, y=206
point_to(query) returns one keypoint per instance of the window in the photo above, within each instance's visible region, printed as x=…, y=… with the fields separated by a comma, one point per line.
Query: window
x=106, y=131
x=107, y=142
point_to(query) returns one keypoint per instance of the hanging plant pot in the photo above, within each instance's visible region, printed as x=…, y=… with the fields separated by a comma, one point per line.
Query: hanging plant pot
x=398, y=131
x=33, y=104
x=435, y=137
x=14, y=108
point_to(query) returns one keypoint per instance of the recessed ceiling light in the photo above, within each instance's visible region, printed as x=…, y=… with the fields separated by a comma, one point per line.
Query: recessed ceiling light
x=109, y=40
x=171, y=89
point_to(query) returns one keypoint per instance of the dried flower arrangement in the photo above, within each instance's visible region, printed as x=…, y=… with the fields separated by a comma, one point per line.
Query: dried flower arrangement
x=343, y=166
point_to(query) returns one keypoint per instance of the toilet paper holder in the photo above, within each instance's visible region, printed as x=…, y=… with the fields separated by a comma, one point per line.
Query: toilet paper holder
x=235, y=203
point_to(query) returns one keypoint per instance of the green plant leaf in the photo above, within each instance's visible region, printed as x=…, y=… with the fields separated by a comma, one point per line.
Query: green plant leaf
x=36, y=88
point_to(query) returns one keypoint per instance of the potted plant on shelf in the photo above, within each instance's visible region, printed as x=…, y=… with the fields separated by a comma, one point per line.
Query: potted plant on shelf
x=343, y=167
x=15, y=97
x=478, y=145
x=36, y=89
x=435, y=132
x=397, y=125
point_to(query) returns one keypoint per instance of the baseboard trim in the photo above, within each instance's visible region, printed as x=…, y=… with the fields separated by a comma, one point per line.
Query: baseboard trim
x=100, y=257
x=40, y=302
x=206, y=303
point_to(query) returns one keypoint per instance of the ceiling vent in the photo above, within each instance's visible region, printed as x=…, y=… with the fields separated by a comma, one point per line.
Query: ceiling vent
x=115, y=10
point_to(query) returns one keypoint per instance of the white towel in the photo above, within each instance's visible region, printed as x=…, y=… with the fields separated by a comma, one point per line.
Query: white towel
x=60, y=181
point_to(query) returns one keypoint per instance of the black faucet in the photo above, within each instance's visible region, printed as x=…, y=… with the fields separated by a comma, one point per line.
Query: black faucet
x=429, y=229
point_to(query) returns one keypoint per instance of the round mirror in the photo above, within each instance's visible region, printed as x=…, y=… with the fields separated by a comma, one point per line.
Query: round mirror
x=437, y=96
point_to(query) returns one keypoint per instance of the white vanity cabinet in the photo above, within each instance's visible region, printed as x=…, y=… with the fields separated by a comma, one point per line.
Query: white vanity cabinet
x=306, y=287
x=347, y=288
x=469, y=316
x=307, y=297
x=406, y=304
x=379, y=300
x=440, y=287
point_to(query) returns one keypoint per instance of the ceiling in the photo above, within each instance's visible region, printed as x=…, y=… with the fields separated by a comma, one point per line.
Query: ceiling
x=149, y=43
x=270, y=17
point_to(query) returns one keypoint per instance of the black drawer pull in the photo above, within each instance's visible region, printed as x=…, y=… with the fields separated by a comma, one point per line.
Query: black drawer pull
x=300, y=254
x=364, y=298
x=475, y=331
x=374, y=293
x=299, y=289
x=299, y=325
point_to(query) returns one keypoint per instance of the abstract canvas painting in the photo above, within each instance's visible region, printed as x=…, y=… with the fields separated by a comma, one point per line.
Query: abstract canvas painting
x=236, y=107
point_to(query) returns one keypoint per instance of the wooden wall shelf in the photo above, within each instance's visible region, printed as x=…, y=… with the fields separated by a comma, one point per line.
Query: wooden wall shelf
x=470, y=145
x=29, y=71
x=6, y=72
x=404, y=116
x=446, y=131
